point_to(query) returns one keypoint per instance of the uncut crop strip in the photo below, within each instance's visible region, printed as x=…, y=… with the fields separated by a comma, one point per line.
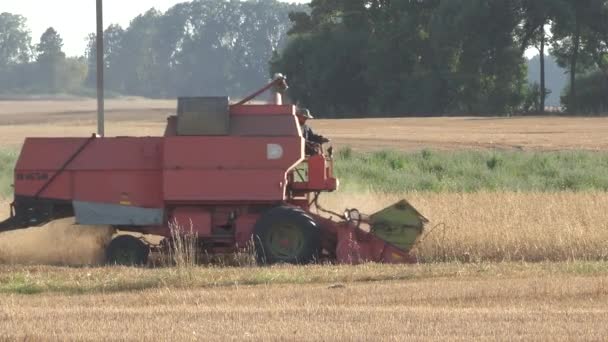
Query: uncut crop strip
x=502, y=226
x=486, y=226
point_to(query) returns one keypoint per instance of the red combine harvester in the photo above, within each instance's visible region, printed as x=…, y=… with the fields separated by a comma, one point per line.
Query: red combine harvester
x=234, y=174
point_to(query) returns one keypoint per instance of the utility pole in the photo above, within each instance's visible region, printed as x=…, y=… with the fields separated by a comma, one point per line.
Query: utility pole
x=543, y=87
x=100, y=69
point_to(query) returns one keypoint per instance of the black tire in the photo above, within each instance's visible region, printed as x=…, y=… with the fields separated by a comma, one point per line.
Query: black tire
x=301, y=232
x=127, y=250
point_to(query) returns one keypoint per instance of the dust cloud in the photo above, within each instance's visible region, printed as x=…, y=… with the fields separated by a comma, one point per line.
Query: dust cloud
x=60, y=242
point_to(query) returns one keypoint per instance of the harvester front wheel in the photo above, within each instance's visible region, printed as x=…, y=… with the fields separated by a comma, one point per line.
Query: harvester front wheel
x=127, y=250
x=286, y=235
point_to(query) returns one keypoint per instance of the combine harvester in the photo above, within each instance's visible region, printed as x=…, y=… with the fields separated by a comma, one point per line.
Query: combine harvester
x=234, y=174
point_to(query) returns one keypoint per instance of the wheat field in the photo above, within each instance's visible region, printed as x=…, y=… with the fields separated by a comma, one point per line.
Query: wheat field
x=484, y=291
x=494, y=265
x=473, y=227
x=501, y=226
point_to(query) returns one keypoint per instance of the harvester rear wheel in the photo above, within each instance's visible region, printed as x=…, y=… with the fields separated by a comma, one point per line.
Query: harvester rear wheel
x=127, y=250
x=286, y=235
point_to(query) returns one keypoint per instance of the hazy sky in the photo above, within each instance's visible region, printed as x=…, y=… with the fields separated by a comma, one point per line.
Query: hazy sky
x=75, y=19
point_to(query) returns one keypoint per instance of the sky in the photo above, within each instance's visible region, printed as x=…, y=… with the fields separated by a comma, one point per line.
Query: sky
x=75, y=19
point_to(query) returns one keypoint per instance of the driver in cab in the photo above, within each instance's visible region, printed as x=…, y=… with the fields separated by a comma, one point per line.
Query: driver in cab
x=313, y=141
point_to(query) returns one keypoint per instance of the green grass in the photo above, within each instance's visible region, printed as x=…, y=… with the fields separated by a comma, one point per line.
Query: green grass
x=471, y=171
x=454, y=171
x=31, y=280
x=7, y=163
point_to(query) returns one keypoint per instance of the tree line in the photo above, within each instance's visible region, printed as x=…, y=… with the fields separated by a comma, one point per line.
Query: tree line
x=412, y=57
x=556, y=79
x=342, y=57
x=39, y=68
x=204, y=47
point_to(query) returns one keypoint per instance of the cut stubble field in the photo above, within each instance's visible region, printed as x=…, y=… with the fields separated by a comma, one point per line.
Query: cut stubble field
x=467, y=303
x=495, y=265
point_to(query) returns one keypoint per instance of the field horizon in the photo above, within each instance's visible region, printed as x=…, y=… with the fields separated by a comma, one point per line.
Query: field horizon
x=146, y=117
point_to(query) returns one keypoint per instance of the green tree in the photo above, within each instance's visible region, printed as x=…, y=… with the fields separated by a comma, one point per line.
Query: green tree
x=73, y=74
x=326, y=61
x=138, y=60
x=15, y=53
x=490, y=69
x=581, y=42
x=596, y=37
x=15, y=40
x=196, y=47
x=51, y=60
x=113, y=40
x=200, y=47
x=406, y=57
x=226, y=46
x=570, y=28
x=537, y=16
x=404, y=74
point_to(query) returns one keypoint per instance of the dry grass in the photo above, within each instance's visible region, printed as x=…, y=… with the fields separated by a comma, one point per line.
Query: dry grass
x=502, y=226
x=472, y=227
x=470, y=305
x=182, y=252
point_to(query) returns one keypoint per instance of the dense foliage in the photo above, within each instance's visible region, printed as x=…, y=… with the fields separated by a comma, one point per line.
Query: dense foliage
x=39, y=68
x=342, y=57
x=407, y=57
x=207, y=47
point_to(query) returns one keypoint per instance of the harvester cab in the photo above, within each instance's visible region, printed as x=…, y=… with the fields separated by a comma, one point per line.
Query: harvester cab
x=234, y=174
